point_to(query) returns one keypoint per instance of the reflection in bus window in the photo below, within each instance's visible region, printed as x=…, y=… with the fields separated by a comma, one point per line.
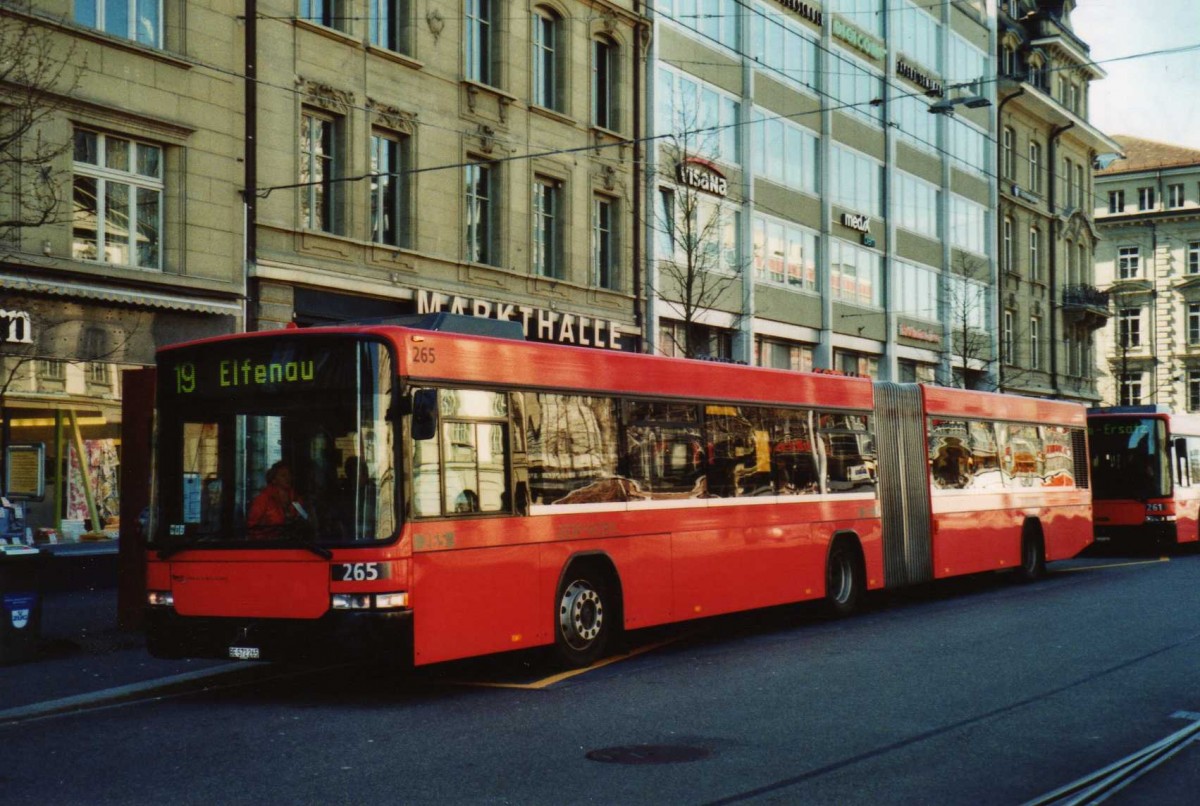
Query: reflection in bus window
x=1023, y=458
x=1059, y=453
x=663, y=452
x=849, y=447
x=572, y=449
x=985, y=458
x=951, y=463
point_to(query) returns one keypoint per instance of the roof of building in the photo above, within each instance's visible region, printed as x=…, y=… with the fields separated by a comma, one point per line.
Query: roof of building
x=1147, y=155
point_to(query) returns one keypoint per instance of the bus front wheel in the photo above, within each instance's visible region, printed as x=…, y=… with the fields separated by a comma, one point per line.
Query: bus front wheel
x=583, y=620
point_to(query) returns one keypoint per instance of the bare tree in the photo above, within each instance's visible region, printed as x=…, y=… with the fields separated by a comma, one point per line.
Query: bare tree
x=698, y=265
x=38, y=74
x=970, y=348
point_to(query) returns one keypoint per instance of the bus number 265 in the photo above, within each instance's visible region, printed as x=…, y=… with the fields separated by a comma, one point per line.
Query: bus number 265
x=356, y=572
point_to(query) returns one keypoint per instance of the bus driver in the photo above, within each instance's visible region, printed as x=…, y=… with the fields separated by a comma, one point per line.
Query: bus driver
x=277, y=505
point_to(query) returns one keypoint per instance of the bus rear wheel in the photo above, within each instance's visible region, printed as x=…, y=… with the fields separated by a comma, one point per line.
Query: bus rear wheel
x=843, y=580
x=583, y=620
x=1033, y=556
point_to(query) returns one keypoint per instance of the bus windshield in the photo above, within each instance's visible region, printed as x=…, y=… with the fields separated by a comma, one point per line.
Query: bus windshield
x=280, y=439
x=1129, y=458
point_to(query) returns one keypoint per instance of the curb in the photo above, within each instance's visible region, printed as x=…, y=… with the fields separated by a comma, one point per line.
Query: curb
x=112, y=696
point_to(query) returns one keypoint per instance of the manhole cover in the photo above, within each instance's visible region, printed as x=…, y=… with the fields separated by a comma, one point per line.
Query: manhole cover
x=649, y=754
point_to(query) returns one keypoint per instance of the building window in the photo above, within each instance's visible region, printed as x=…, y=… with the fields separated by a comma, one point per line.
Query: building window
x=1174, y=195
x=855, y=274
x=786, y=253
x=1081, y=188
x=98, y=373
x=479, y=57
x=786, y=154
x=1009, y=337
x=604, y=242
x=1193, y=257
x=481, y=200
x=52, y=370
x=1035, y=342
x=1007, y=253
x=1008, y=61
x=1145, y=198
x=857, y=181
x=547, y=228
x=389, y=189
x=319, y=168
x=323, y=12
x=1116, y=202
x=1035, y=167
x=1129, y=262
x=1072, y=264
x=1008, y=153
x=1193, y=323
x=703, y=118
x=1193, y=390
x=1129, y=328
x=388, y=21
x=547, y=63
x=916, y=202
x=679, y=340
x=860, y=365
x=783, y=355
x=604, y=84
x=968, y=225
x=1131, y=389
x=118, y=200
x=1035, y=257
x=139, y=20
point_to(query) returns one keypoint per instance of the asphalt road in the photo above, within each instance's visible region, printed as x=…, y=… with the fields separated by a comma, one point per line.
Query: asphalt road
x=971, y=691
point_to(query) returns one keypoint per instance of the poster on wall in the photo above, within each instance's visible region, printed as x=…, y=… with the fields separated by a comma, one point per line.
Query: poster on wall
x=103, y=469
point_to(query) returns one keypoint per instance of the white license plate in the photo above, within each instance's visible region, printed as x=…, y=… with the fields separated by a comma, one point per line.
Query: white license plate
x=244, y=652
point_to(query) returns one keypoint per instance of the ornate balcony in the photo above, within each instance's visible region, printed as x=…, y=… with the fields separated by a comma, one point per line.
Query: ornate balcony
x=1086, y=304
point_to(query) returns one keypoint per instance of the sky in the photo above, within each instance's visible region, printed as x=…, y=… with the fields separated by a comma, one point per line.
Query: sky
x=1152, y=97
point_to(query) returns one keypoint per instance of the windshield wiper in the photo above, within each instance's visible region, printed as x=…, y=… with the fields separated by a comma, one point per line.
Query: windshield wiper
x=300, y=543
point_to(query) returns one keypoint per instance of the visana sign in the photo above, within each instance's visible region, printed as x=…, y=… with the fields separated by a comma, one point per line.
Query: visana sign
x=703, y=175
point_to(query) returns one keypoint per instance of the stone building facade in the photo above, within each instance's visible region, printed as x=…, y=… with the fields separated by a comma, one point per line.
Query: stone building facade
x=1049, y=304
x=1148, y=214
x=141, y=113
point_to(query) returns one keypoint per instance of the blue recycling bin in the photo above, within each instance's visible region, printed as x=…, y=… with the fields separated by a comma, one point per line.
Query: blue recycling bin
x=20, y=603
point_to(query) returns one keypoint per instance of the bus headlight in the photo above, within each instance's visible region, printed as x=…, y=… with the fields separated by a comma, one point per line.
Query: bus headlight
x=351, y=601
x=160, y=599
x=391, y=601
x=369, y=601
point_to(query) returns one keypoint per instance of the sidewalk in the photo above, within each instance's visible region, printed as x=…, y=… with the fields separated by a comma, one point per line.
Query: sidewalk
x=82, y=654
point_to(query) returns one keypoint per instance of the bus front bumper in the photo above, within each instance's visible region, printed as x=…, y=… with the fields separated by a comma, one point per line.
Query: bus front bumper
x=336, y=636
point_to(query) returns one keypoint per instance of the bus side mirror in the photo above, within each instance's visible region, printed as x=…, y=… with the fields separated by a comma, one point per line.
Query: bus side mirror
x=424, y=414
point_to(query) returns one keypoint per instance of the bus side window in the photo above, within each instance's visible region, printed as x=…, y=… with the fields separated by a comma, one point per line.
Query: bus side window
x=1183, y=475
x=1193, y=456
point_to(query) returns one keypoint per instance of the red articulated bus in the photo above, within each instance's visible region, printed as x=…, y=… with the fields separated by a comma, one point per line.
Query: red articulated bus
x=450, y=495
x=1146, y=475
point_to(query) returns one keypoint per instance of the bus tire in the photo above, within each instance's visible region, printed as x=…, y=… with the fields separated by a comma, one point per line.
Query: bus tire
x=843, y=579
x=1033, y=554
x=584, y=617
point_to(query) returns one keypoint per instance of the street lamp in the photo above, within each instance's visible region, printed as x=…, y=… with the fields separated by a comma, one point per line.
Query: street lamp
x=946, y=105
x=972, y=101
